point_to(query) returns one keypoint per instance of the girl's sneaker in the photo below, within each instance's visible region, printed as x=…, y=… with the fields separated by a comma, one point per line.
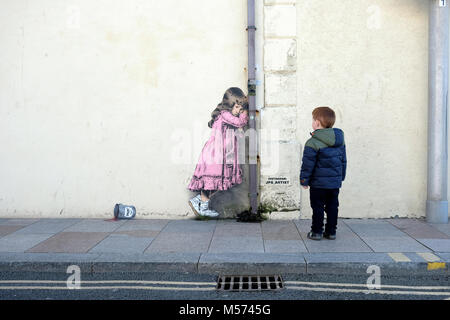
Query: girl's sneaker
x=205, y=211
x=195, y=204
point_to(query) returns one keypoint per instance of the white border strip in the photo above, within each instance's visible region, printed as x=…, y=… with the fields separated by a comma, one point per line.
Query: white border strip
x=428, y=256
x=109, y=282
x=108, y=288
x=373, y=291
x=399, y=257
x=365, y=285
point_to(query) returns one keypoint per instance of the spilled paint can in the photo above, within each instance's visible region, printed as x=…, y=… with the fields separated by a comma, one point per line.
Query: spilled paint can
x=122, y=211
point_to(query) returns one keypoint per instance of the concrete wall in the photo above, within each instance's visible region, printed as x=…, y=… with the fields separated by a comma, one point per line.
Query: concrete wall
x=372, y=69
x=280, y=148
x=107, y=101
x=368, y=61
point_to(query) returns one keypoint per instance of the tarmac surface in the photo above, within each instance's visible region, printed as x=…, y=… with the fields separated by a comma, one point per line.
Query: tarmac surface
x=189, y=286
x=396, y=246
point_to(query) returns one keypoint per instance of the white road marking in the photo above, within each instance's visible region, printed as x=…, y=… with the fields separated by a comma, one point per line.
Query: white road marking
x=210, y=286
x=326, y=284
x=428, y=256
x=110, y=282
x=141, y=285
x=365, y=285
x=109, y=288
x=399, y=257
x=374, y=291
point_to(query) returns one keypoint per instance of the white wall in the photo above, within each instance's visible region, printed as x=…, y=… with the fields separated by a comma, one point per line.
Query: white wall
x=98, y=97
x=107, y=101
x=368, y=61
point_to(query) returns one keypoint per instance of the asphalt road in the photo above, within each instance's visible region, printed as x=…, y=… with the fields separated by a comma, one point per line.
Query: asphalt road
x=177, y=286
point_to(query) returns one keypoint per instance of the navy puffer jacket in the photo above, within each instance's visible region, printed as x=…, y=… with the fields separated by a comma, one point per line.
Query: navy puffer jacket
x=324, y=162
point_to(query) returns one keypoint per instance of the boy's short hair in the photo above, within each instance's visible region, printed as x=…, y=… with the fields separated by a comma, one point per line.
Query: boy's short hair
x=325, y=115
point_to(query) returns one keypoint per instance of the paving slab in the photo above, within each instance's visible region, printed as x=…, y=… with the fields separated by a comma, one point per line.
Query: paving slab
x=444, y=228
x=373, y=228
x=304, y=226
x=139, y=233
x=280, y=230
x=143, y=224
x=223, y=246
x=70, y=242
x=191, y=226
x=346, y=240
x=251, y=263
x=192, y=242
x=8, y=229
x=150, y=262
x=237, y=229
x=230, y=244
x=95, y=225
x=418, y=229
x=21, y=242
x=18, y=222
x=48, y=226
x=119, y=243
x=394, y=244
x=341, y=244
x=284, y=246
x=441, y=245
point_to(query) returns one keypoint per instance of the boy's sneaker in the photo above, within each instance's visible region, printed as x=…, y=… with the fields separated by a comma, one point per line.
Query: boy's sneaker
x=329, y=236
x=314, y=236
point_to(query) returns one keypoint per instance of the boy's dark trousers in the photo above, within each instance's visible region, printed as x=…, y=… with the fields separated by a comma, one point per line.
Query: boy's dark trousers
x=324, y=200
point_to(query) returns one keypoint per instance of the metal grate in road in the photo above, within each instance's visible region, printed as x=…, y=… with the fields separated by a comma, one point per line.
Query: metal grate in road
x=250, y=283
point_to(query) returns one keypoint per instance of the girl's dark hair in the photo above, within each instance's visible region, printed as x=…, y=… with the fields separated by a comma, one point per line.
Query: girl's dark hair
x=230, y=98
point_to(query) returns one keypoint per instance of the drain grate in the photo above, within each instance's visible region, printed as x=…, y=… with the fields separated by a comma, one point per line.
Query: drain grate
x=249, y=283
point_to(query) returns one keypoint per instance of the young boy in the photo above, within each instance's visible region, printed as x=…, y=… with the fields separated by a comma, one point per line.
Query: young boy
x=324, y=165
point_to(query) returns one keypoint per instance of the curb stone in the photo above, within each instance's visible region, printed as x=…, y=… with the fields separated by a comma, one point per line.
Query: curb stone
x=211, y=263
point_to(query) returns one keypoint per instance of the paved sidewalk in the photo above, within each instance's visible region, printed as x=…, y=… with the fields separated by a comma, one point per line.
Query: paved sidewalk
x=397, y=246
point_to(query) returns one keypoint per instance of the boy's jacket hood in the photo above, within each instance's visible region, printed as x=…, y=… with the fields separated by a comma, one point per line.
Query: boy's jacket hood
x=332, y=137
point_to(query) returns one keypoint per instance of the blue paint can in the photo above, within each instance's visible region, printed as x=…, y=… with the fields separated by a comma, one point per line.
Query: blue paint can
x=122, y=211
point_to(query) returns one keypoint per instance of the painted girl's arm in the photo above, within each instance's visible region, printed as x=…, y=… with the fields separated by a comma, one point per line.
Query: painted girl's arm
x=238, y=122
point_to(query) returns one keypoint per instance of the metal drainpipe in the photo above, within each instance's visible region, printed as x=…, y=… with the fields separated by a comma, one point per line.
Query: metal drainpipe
x=253, y=147
x=437, y=204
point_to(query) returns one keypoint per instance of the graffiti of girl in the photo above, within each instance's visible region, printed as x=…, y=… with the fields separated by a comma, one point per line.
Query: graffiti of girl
x=218, y=167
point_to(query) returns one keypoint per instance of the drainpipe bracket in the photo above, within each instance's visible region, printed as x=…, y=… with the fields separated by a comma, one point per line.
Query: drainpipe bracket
x=254, y=82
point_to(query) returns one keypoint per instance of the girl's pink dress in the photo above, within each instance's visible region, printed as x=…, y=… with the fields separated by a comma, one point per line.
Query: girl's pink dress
x=218, y=167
